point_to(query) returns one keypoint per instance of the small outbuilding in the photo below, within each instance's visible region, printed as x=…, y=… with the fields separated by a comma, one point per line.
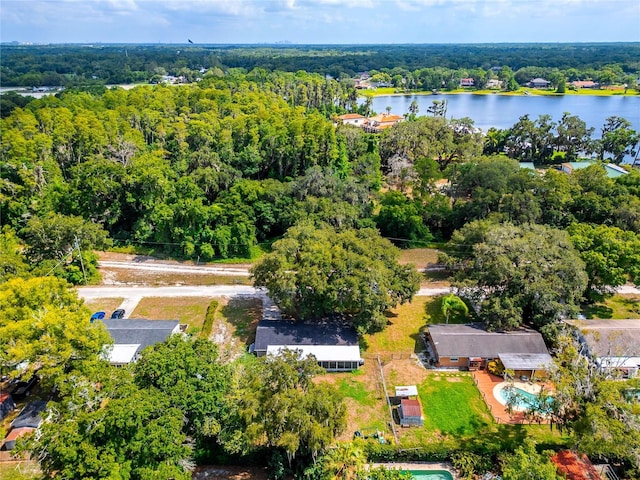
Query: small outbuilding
x=410, y=413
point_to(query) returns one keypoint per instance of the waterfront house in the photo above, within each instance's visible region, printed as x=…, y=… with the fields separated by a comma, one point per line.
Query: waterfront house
x=539, y=83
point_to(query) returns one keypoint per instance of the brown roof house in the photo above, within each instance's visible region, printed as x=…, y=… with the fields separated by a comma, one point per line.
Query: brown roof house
x=380, y=122
x=471, y=346
x=352, y=119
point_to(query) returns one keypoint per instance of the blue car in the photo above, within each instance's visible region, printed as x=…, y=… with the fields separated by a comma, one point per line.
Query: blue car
x=97, y=316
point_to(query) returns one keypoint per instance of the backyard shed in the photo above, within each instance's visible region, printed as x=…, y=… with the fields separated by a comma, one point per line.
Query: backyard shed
x=410, y=412
x=334, y=345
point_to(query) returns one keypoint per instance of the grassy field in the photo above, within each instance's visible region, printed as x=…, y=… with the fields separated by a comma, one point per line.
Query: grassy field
x=22, y=470
x=189, y=310
x=617, y=307
x=107, y=305
x=121, y=276
x=420, y=257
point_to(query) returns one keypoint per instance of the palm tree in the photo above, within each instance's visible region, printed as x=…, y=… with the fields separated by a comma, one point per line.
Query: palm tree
x=453, y=304
x=344, y=461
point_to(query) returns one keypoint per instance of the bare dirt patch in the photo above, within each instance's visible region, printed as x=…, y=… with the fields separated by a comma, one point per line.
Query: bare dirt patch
x=453, y=379
x=234, y=327
x=403, y=372
x=123, y=276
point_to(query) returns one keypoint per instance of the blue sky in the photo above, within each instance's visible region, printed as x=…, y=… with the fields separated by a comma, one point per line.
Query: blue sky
x=319, y=21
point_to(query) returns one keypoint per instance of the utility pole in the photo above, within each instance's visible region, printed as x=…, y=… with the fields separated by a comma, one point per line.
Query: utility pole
x=77, y=246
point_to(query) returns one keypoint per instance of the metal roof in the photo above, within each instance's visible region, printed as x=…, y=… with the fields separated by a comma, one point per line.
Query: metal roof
x=322, y=353
x=407, y=391
x=121, y=354
x=472, y=340
x=526, y=361
x=410, y=408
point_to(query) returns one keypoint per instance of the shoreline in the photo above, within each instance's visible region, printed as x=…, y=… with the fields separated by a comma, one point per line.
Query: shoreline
x=530, y=93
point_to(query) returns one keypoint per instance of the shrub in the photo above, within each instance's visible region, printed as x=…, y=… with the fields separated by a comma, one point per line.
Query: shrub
x=208, y=319
x=495, y=367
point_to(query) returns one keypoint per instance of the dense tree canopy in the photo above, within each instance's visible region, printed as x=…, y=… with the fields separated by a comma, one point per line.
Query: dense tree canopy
x=45, y=327
x=313, y=273
x=527, y=274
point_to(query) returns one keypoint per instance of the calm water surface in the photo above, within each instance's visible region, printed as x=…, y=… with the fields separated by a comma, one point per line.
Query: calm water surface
x=502, y=111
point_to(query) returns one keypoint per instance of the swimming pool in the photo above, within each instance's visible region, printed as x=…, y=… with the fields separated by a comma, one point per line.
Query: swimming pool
x=430, y=474
x=520, y=399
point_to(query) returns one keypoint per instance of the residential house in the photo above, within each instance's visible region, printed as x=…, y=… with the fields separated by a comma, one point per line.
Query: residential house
x=131, y=336
x=614, y=345
x=471, y=346
x=334, y=345
x=467, y=82
x=539, y=83
x=613, y=171
x=9, y=443
x=380, y=122
x=30, y=415
x=352, y=119
x=585, y=84
x=7, y=405
x=493, y=83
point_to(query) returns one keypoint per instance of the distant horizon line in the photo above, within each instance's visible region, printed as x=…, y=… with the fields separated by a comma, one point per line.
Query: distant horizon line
x=290, y=44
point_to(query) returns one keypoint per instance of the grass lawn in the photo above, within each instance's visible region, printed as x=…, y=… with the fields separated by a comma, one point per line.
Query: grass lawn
x=190, y=310
x=21, y=470
x=123, y=276
x=618, y=307
x=107, y=305
x=420, y=257
x=367, y=410
x=404, y=327
x=453, y=405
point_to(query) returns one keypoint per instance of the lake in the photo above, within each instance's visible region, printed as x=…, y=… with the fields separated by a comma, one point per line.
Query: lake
x=503, y=111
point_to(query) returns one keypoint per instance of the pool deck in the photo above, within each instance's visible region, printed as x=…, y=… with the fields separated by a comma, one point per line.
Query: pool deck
x=421, y=466
x=486, y=383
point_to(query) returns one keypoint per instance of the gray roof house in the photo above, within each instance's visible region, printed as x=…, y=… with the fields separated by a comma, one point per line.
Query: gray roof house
x=335, y=346
x=30, y=415
x=612, y=344
x=471, y=346
x=131, y=336
x=539, y=83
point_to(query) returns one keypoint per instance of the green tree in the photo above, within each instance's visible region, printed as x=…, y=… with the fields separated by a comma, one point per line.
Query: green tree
x=399, y=219
x=611, y=256
x=618, y=139
x=312, y=273
x=43, y=323
x=452, y=304
x=133, y=434
x=527, y=464
x=527, y=274
x=12, y=261
x=280, y=406
x=189, y=373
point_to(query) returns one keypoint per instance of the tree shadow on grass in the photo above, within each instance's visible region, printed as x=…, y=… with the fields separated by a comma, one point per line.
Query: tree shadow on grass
x=597, y=311
x=244, y=314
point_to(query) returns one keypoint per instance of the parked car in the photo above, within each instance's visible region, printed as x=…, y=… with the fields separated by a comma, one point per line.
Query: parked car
x=117, y=314
x=23, y=387
x=97, y=316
